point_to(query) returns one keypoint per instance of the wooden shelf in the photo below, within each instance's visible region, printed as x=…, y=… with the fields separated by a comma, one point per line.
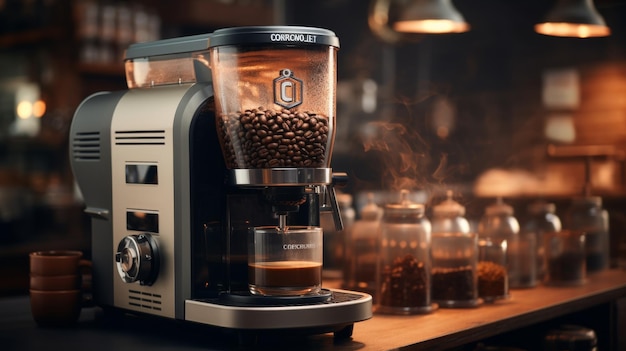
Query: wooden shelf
x=448, y=328
x=31, y=36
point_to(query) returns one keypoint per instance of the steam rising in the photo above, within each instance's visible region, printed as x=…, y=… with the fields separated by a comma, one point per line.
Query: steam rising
x=404, y=156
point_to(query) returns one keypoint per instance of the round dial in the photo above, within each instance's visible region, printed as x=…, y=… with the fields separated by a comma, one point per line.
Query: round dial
x=137, y=259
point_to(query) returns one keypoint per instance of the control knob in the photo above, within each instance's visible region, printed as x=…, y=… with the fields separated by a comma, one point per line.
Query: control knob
x=137, y=259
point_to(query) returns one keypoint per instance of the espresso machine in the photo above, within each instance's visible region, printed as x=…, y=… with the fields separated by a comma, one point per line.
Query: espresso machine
x=218, y=135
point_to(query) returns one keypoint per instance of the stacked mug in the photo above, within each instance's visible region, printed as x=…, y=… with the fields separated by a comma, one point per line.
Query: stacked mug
x=60, y=284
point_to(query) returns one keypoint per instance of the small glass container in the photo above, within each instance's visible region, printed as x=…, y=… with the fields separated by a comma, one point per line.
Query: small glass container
x=493, y=280
x=403, y=279
x=499, y=223
x=542, y=219
x=586, y=214
x=565, y=258
x=454, y=255
x=285, y=261
x=362, y=250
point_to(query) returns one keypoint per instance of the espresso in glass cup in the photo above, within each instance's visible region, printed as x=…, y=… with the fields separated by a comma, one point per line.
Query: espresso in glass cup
x=285, y=261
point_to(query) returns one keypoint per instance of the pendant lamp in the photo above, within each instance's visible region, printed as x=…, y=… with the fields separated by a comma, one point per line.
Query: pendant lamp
x=430, y=16
x=574, y=18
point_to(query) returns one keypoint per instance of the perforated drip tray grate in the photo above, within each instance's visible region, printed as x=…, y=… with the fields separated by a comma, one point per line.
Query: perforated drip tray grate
x=325, y=296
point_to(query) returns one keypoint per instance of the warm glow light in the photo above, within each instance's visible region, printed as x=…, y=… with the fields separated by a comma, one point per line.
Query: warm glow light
x=431, y=26
x=24, y=109
x=572, y=30
x=39, y=108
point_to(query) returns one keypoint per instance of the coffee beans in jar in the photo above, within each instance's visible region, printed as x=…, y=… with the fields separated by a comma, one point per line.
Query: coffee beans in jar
x=268, y=138
x=453, y=285
x=492, y=281
x=404, y=284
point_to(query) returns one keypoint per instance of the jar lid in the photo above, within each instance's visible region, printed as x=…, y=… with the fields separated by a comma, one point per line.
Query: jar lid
x=449, y=207
x=405, y=207
x=285, y=35
x=499, y=208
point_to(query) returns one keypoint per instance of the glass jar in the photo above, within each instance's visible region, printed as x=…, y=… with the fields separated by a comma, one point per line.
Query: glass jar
x=362, y=249
x=454, y=254
x=499, y=223
x=542, y=219
x=403, y=279
x=586, y=214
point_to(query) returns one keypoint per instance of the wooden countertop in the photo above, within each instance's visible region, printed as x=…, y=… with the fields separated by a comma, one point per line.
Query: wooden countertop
x=446, y=328
x=441, y=330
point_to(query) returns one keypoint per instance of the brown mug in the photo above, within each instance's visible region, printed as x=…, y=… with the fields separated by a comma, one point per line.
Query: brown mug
x=57, y=262
x=60, y=286
x=56, y=308
x=55, y=282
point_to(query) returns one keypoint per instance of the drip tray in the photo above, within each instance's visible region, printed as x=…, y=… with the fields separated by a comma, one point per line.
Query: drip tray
x=247, y=299
x=330, y=307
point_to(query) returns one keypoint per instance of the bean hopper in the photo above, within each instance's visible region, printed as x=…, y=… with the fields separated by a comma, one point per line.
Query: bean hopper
x=218, y=136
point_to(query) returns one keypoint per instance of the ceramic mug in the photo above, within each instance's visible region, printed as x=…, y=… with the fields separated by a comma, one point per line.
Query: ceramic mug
x=55, y=282
x=57, y=262
x=56, y=308
x=60, y=286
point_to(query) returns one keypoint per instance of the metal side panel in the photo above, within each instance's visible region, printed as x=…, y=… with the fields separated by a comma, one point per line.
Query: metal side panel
x=142, y=136
x=90, y=159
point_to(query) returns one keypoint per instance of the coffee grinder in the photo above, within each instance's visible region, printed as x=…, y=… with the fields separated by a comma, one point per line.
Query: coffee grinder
x=221, y=138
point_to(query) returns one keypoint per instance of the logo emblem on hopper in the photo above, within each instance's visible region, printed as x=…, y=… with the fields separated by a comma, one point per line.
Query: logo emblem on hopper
x=287, y=89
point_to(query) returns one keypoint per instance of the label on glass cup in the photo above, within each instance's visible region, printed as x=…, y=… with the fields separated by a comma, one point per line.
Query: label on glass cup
x=299, y=246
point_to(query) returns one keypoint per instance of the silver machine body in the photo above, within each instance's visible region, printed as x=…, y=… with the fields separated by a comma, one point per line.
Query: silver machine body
x=168, y=229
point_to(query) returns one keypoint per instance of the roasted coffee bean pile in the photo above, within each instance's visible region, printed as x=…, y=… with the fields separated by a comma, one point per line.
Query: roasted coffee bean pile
x=266, y=138
x=453, y=284
x=404, y=284
x=492, y=280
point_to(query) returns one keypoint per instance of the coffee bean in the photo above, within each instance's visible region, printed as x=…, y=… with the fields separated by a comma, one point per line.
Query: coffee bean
x=265, y=138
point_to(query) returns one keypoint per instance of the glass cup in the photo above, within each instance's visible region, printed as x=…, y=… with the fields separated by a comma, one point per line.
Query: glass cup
x=285, y=262
x=565, y=257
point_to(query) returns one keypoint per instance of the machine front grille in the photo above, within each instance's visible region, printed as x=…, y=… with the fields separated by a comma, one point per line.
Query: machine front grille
x=86, y=146
x=144, y=300
x=140, y=137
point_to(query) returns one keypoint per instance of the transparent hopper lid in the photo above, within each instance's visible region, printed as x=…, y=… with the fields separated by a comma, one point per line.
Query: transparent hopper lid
x=168, y=61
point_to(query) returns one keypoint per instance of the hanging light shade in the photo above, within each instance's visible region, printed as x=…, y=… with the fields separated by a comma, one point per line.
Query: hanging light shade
x=431, y=16
x=574, y=18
